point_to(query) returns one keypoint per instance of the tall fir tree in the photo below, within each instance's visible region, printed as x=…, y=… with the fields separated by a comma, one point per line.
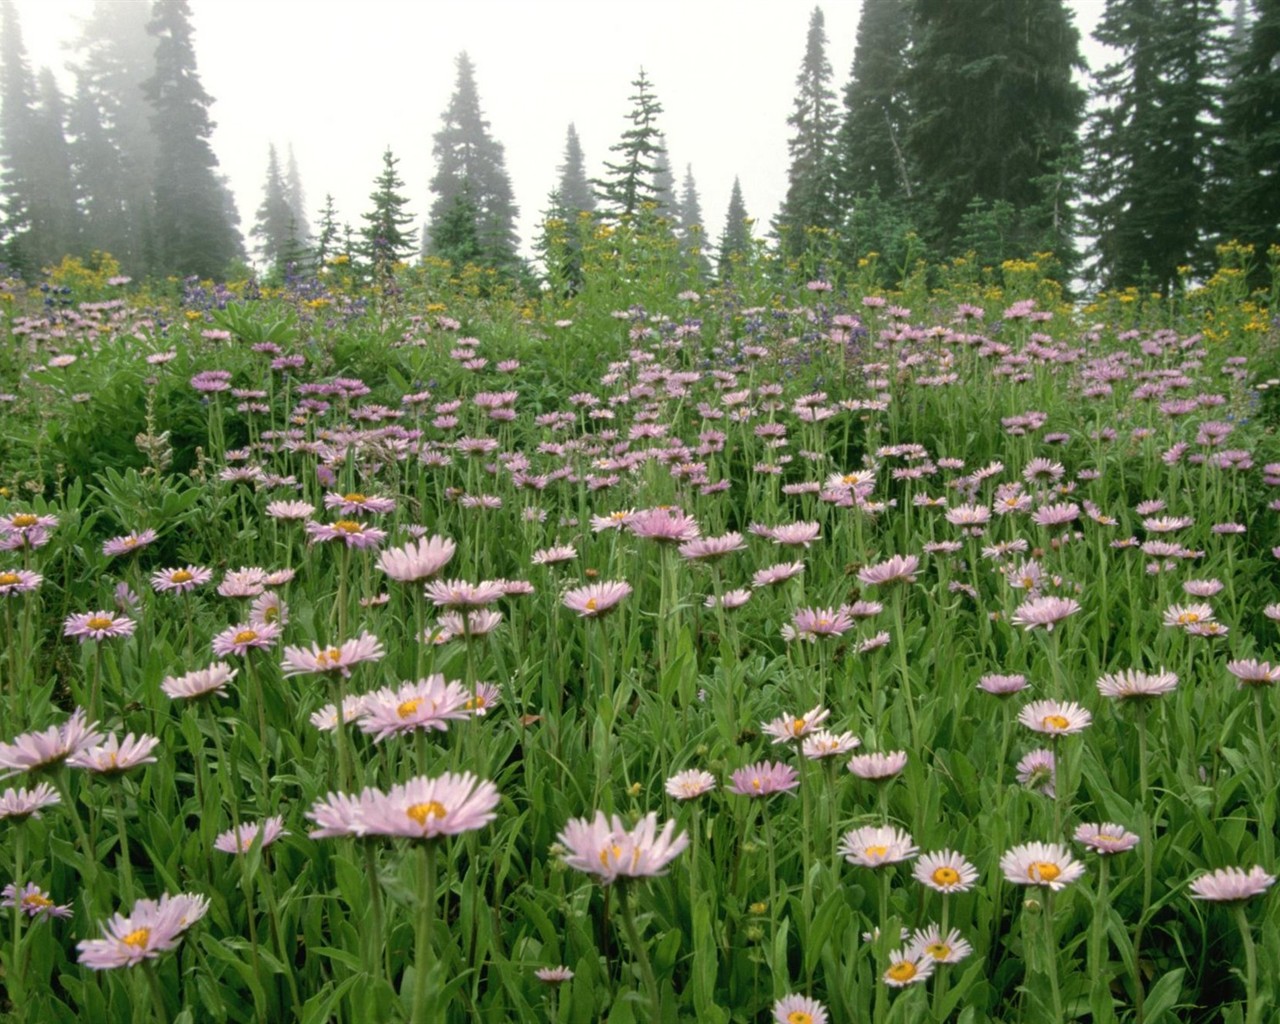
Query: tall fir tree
x=1250, y=204
x=692, y=232
x=664, y=184
x=810, y=200
x=114, y=147
x=20, y=237
x=386, y=238
x=872, y=137
x=296, y=196
x=629, y=183
x=735, y=240
x=995, y=112
x=195, y=231
x=328, y=234
x=54, y=195
x=574, y=188
x=471, y=180
x=275, y=225
x=1152, y=142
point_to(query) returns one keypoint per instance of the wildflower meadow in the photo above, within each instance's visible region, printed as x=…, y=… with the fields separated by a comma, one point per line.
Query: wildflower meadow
x=791, y=650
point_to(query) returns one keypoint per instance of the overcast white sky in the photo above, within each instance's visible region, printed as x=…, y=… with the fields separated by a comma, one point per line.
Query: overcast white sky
x=341, y=81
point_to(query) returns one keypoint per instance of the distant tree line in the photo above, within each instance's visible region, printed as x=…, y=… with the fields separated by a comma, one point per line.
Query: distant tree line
x=963, y=130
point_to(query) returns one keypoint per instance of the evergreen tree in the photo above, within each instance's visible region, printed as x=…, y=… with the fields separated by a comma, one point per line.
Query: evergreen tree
x=275, y=225
x=995, y=114
x=630, y=182
x=735, y=240
x=53, y=204
x=693, y=235
x=471, y=178
x=21, y=241
x=113, y=146
x=872, y=136
x=1251, y=126
x=574, y=191
x=664, y=184
x=328, y=234
x=455, y=236
x=297, y=199
x=386, y=241
x=1152, y=141
x=810, y=200
x=195, y=230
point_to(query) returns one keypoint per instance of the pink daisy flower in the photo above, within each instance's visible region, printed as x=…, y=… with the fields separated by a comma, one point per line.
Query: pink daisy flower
x=690, y=784
x=356, y=504
x=52, y=746
x=241, y=840
x=596, y=599
x=1046, y=864
x=1106, y=838
x=878, y=766
x=127, y=544
x=115, y=755
x=946, y=871
x=461, y=594
x=898, y=569
x=795, y=534
x=666, y=525
x=1044, y=611
x=429, y=703
x=1230, y=885
x=775, y=574
x=1133, y=685
x=33, y=900
x=200, y=683
x=332, y=660
x=180, y=580
x=874, y=846
x=18, y=581
x=20, y=804
x=245, y=637
x=101, y=625
x=1054, y=717
x=797, y=1009
x=428, y=808
x=763, y=779
x=353, y=533
x=417, y=561
x=605, y=848
x=794, y=727
x=706, y=549
x=811, y=623
x=153, y=928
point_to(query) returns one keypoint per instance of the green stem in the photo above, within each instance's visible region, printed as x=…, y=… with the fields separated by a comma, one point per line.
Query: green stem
x=1098, y=959
x=157, y=996
x=642, y=957
x=1051, y=954
x=423, y=953
x=1253, y=1012
x=126, y=868
x=17, y=976
x=277, y=931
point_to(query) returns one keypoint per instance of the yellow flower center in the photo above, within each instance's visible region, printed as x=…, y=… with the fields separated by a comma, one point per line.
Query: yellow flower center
x=24, y=519
x=181, y=576
x=946, y=875
x=246, y=636
x=137, y=938
x=8, y=579
x=1043, y=871
x=824, y=624
x=36, y=901
x=100, y=622
x=799, y=1017
x=129, y=541
x=348, y=526
x=872, y=852
x=1188, y=618
x=902, y=971
x=421, y=812
x=355, y=498
x=797, y=726
x=1055, y=723
x=476, y=703
x=1028, y=583
x=610, y=853
x=590, y=605
x=938, y=950
x=328, y=658
x=408, y=707
x=270, y=614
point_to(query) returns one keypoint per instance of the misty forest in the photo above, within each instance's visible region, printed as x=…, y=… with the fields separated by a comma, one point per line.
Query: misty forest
x=857, y=611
